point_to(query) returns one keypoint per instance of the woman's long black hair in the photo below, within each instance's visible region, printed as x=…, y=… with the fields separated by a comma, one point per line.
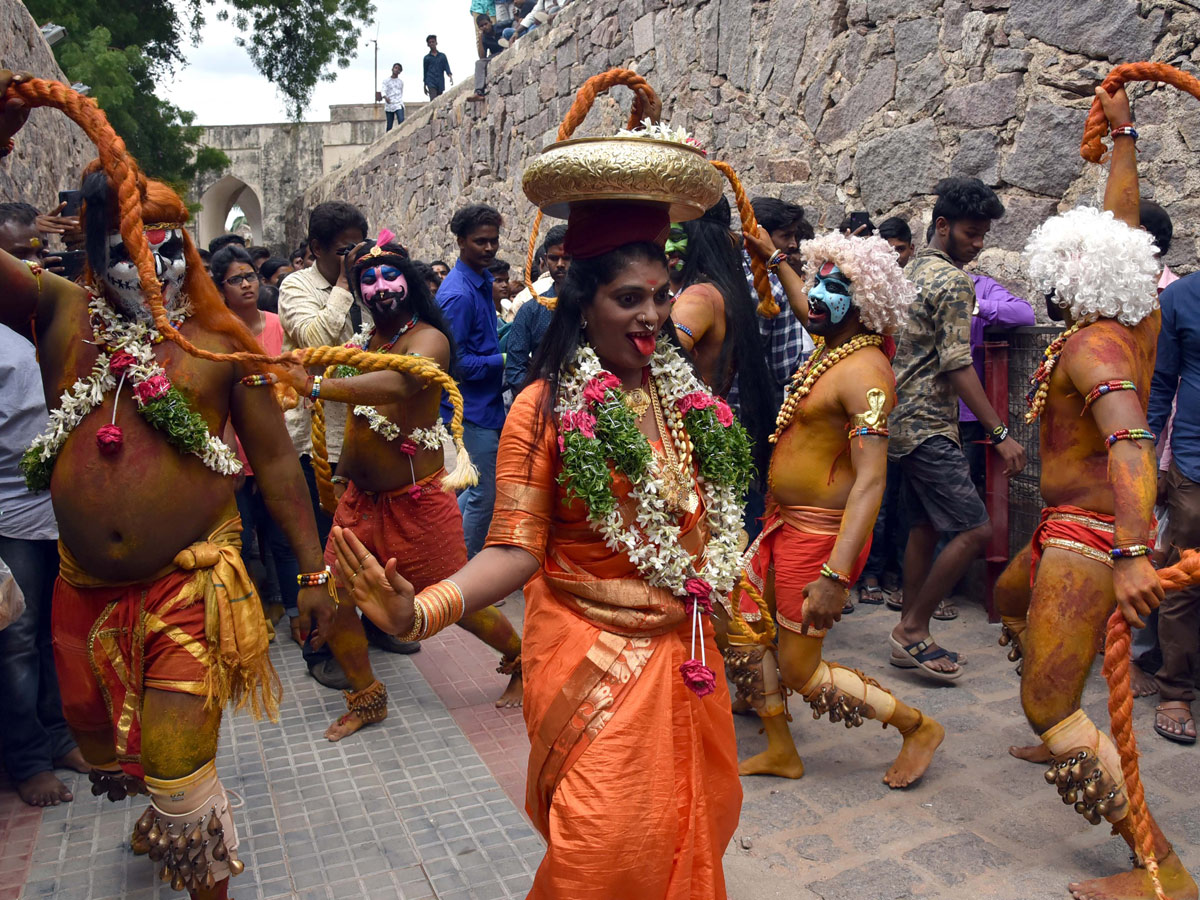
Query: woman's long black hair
x=419, y=299
x=712, y=258
x=565, y=334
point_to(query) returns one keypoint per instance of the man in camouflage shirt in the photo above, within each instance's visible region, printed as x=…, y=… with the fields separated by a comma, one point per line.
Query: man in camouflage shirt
x=933, y=370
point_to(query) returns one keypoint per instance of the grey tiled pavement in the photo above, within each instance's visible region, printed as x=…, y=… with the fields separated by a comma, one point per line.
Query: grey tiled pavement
x=405, y=809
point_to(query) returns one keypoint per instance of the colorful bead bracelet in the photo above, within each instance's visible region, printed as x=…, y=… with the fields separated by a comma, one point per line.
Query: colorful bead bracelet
x=840, y=577
x=313, y=579
x=1129, y=552
x=1129, y=434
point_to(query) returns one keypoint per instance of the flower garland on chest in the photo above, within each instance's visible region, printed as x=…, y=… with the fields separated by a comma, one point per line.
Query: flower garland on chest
x=126, y=354
x=703, y=445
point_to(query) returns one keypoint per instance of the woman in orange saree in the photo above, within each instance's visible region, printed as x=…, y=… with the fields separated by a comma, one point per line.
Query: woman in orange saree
x=633, y=769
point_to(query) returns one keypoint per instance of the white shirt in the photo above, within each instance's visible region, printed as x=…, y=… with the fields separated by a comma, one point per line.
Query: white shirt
x=315, y=313
x=393, y=94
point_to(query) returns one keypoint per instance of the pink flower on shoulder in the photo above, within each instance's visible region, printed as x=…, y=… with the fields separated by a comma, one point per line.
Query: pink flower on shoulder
x=579, y=420
x=152, y=389
x=596, y=388
x=700, y=679
x=694, y=400
x=723, y=413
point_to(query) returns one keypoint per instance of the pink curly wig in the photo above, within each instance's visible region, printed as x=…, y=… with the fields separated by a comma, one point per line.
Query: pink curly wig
x=877, y=284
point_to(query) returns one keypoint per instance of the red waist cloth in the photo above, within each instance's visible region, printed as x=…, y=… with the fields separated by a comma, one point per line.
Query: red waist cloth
x=421, y=528
x=795, y=542
x=1077, y=530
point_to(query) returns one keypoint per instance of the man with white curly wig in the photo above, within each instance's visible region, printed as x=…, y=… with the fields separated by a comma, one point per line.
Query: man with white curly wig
x=825, y=482
x=1091, y=550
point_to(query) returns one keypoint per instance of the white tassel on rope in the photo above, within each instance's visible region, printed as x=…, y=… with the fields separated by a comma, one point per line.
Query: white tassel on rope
x=465, y=474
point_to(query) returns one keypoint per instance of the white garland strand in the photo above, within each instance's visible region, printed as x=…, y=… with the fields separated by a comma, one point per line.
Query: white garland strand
x=431, y=438
x=115, y=334
x=653, y=541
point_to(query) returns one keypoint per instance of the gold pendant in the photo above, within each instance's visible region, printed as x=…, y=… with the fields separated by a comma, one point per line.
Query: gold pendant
x=637, y=401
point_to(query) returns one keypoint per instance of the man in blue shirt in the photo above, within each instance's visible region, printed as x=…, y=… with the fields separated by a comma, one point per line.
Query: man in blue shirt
x=437, y=68
x=1177, y=382
x=532, y=319
x=466, y=300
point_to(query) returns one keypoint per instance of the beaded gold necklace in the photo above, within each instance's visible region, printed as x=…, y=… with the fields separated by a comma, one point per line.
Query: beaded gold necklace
x=813, y=368
x=1040, y=381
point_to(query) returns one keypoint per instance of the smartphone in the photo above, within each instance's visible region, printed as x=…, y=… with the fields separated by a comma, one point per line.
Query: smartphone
x=73, y=199
x=859, y=219
x=72, y=263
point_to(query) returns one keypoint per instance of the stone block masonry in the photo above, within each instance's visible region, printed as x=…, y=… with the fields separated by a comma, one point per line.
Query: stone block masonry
x=835, y=104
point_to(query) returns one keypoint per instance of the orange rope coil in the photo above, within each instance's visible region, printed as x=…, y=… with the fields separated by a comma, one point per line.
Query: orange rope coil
x=1092, y=148
x=766, y=300
x=124, y=172
x=643, y=94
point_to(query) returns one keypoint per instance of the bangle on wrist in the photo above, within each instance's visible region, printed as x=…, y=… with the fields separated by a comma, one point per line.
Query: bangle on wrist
x=313, y=579
x=998, y=435
x=840, y=577
x=315, y=391
x=1129, y=551
x=776, y=259
x=1124, y=131
x=438, y=606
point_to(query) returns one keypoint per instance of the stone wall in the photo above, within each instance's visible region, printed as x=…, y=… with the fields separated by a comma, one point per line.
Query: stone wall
x=50, y=150
x=835, y=104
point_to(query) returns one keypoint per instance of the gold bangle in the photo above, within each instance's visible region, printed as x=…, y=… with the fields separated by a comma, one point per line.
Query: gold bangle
x=418, y=625
x=438, y=606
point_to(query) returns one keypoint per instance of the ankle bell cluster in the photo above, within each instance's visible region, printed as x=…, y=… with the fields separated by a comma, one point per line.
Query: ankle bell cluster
x=117, y=785
x=191, y=854
x=1083, y=783
x=745, y=667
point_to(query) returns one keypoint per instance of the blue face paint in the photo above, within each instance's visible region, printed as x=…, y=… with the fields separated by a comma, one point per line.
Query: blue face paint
x=832, y=291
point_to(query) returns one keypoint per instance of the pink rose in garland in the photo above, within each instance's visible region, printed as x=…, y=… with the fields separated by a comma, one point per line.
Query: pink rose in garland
x=152, y=389
x=580, y=420
x=699, y=678
x=699, y=593
x=596, y=388
x=109, y=439
x=408, y=447
x=120, y=362
x=695, y=400
x=724, y=413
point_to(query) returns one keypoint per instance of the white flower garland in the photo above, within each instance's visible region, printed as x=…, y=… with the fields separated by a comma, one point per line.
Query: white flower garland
x=430, y=438
x=114, y=334
x=661, y=131
x=653, y=540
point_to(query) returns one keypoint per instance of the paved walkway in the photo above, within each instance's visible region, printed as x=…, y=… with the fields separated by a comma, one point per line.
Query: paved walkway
x=427, y=805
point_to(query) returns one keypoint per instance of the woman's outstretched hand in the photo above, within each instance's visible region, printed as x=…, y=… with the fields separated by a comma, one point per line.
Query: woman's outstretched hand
x=379, y=591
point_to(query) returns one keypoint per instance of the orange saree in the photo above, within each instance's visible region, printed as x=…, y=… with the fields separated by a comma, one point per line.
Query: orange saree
x=632, y=777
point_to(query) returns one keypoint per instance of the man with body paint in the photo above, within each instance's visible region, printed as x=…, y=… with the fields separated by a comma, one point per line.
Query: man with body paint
x=390, y=473
x=825, y=484
x=1091, y=552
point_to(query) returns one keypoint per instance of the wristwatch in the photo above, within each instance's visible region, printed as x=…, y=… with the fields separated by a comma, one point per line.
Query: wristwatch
x=998, y=435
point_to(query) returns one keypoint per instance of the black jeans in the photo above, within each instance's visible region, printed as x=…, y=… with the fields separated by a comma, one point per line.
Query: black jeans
x=394, y=117
x=35, y=732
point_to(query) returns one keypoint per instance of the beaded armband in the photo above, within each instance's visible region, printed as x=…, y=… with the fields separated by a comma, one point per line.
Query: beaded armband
x=438, y=606
x=685, y=330
x=257, y=380
x=1106, y=387
x=840, y=577
x=1128, y=434
x=313, y=579
x=1129, y=551
x=867, y=431
x=1124, y=131
x=315, y=391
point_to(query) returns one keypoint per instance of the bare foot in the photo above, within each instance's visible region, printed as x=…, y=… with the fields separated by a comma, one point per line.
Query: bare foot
x=73, y=760
x=514, y=694
x=1136, y=885
x=742, y=707
x=1143, y=685
x=346, y=726
x=44, y=789
x=1034, y=753
x=916, y=754
x=784, y=763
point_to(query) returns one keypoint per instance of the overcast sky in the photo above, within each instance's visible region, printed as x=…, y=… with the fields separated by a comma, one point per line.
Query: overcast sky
x=219, y=84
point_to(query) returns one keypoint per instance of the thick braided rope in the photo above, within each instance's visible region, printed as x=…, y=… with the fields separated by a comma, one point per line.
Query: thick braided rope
x=584, y=98
x=464, y=474
x=1092, y=147
x=766, y=300
x=737, y=622
x=1120, y=711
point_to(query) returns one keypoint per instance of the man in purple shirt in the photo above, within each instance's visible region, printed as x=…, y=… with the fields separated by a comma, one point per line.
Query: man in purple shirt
x=466, y=300
x=995, y=307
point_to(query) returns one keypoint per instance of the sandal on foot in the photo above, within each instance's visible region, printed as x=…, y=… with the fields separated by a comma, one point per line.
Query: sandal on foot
x=1164, y=709
x=919, y=654
x=849, y=607
x=946, y=611
x=894, y=600
x=872, y=595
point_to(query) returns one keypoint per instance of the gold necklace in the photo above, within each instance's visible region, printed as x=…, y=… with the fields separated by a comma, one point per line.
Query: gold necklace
x=812, y=369
x=637, y=401
x=678, y=487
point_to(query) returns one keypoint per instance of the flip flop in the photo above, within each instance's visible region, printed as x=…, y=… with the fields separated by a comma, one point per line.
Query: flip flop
x=871, y=595
x=945, y=612
x=894, y=599
x=919, y=654
x=848, y=608
x=1163, y=710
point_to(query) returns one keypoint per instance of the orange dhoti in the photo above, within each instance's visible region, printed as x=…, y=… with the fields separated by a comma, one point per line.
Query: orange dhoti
x=420, y=525
x=632, y=777
x=795, y=542
x=196, y=629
